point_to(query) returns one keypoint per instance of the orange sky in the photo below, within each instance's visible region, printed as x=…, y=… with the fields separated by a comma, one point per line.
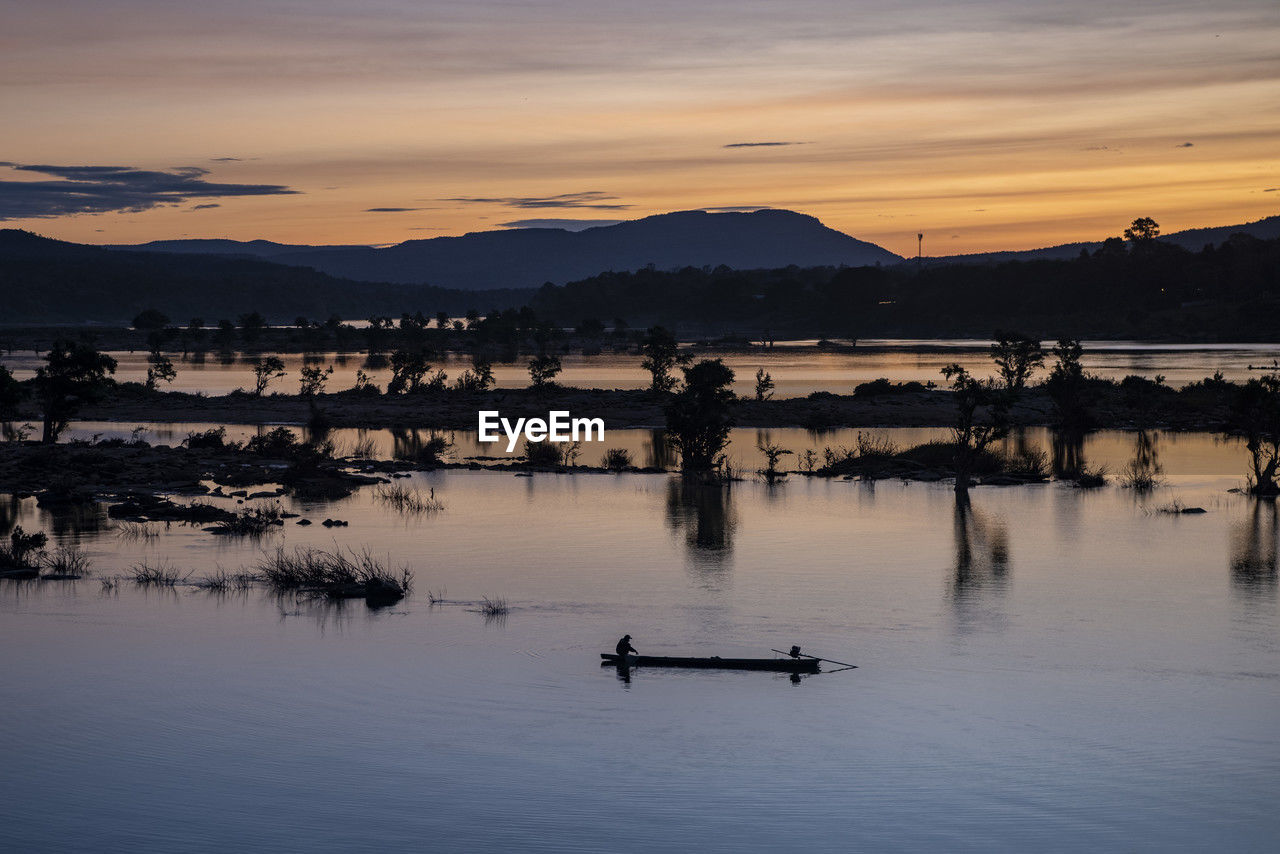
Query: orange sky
x=985, y=125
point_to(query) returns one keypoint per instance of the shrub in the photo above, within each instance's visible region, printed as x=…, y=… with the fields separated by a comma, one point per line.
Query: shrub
x=616, y=459
x=541, y=454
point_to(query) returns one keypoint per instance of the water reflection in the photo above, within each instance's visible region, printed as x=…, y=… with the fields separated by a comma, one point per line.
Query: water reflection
x=981, y=567
x=72, y=520
x=705, y=513
x=10, y=508
x=1143, y=471
x=1066, y=453
x=657, y=451
x=1253, y=550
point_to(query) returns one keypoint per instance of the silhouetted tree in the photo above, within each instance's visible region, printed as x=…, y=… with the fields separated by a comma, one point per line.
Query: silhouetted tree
x=150, y=320
x=590, y=327
x=74, y=374
x=11, y=395
x=772, y=454
x=1068, y=386
x=251, y=326
x=1016, y=356
x=480, y=377
x=1143, y=229
x=1255, y=412
x=971, y=438
x=543, y=369
x=265, y=370
x=700, y=415
x=312, y=380
x=225, y=335
x=764, y=385
x=159, y=369
x=661, y=353
x=408, y=368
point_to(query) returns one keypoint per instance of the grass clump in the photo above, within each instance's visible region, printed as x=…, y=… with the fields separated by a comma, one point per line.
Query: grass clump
x=407, y=499
x=616, y=459
x=495, y=606
x=133, y=531
x=160, y=574
x=1092, y=478
x=67, y=562
x=337, y=573
x=24, y=552
x=1140, y=477
x=250, y=522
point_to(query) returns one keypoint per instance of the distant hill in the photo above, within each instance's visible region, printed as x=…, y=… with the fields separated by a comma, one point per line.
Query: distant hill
x=52, y=281
x=529, y=257
x=1194, y=239
x=265, y=249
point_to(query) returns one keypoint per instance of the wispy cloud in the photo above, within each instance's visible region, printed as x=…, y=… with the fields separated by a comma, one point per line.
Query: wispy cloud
x=99, y=189
x=593, y=199
x=1186, y=145
x=392, y=210
x=206, y=207
x=761, y=144
x=566, y=224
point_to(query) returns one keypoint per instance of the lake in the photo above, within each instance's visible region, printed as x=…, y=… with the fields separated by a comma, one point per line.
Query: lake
x=1052, y=669
x=796, y=372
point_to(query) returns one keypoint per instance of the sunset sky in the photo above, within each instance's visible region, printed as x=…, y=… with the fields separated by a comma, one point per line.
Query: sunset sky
x=985, y=125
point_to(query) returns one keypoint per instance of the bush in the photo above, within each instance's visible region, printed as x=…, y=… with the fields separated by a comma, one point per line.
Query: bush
x=616, y=459
x=280, y=442
x=214, y=439
x=882, y=386
x=541, y=454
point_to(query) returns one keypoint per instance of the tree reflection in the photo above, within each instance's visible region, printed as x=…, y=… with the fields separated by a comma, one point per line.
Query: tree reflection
x=704, y=512
x=658, y=453
x=75, y=519
x=1253, y=550
x=1066, y=448
x=1143, y=472
x=10, y=507
x=982, y=553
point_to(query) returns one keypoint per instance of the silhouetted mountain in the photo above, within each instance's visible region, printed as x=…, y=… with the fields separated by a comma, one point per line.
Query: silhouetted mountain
x=265, y=249
x=44, y=280
x=1193, y=239
x=529, y=257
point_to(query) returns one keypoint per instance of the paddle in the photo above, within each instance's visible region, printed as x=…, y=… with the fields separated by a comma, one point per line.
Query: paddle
x=828, y=660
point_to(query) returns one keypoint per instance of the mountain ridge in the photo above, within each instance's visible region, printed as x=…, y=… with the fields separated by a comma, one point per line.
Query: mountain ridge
x=530, y=257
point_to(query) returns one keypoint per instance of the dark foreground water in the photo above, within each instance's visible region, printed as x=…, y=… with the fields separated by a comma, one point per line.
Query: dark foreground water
x=1053, y=669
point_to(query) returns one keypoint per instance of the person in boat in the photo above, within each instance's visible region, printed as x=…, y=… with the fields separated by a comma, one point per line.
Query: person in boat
x=624, y=646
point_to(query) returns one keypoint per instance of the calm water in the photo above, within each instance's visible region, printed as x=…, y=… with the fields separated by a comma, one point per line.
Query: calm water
x=1054, y=670
x=1177, y=453
x=795, y=373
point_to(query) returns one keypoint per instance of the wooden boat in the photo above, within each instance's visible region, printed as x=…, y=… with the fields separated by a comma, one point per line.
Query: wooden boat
x=778, y=665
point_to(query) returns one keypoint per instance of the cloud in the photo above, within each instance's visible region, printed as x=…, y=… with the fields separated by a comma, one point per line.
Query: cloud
x=761, y=144
x=593, y=199
x=102, y=189
x=206, y=207
x=1186, y=145
x=225, y=159
x=393, y=210
x=566, y=224
x=1271, y=190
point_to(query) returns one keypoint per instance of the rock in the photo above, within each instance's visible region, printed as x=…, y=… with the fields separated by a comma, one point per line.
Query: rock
x=304, y=522
x=1185, y=510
